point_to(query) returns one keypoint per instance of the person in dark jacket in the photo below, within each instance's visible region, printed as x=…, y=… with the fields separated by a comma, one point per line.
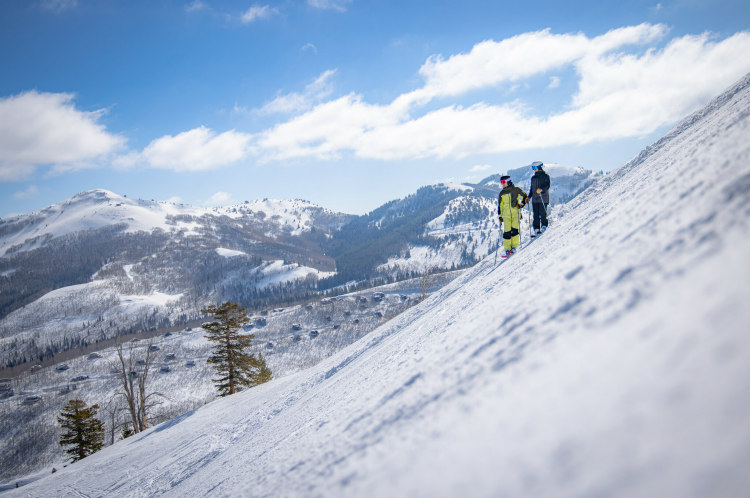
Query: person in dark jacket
x=539, y=195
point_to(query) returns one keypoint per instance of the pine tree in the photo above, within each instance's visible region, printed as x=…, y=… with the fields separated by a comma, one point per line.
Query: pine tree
x=83, y=433
x=237, y=368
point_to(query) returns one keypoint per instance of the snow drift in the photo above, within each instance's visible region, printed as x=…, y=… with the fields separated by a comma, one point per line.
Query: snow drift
x=610, y=357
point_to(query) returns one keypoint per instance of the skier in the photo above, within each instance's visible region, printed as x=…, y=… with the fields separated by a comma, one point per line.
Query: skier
x=510, y=201
x=539, y=194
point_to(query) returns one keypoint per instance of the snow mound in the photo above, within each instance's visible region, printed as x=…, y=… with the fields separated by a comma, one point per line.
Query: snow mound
x=229, y=253
x=608, y=357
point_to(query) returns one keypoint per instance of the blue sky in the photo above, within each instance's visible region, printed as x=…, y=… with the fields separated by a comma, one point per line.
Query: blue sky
x=346, y=103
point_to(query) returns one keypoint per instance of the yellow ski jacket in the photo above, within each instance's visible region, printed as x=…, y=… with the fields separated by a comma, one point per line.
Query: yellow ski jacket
x=510, y=198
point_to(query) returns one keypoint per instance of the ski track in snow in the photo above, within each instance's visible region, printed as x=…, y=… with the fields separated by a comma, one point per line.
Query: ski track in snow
x=610, y=357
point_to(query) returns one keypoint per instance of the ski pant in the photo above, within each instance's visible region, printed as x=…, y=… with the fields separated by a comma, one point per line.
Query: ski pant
x=540, y=214
x=511, y=223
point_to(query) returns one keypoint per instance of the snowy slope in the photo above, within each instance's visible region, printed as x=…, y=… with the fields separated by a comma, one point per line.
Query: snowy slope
x=611, y=357
x=296, y=215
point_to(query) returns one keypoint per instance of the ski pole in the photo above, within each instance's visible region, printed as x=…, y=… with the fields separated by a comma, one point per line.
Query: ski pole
x=499, y=228
x=546, y=215
x=530, y=217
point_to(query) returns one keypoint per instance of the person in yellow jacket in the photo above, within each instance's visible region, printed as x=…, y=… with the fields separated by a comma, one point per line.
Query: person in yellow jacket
x=510, y=201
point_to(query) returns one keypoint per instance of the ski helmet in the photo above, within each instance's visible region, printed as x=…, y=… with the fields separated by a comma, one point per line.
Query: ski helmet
x=504, y=180
x=536, y=165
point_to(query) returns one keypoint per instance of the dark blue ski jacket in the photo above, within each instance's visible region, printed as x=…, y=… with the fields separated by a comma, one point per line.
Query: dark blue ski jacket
x=540, y=180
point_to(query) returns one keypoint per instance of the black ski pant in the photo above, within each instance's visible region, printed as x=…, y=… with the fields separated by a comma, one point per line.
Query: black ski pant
x=540, y=214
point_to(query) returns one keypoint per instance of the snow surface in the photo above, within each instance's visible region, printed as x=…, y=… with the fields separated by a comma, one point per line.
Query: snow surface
x=154, y=299
x=556, y=169
x=295, y=214
x=610, y=357
x=229, y=253
x=276, y=272
x=91, y=210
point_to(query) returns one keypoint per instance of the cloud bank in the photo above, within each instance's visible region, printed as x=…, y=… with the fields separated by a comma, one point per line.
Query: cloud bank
x=46, y=129
x=620, y=94
x=196, y=150
x=630, y=83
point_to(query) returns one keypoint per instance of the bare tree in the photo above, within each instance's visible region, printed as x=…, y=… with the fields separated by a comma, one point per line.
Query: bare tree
x=113, y=410
x=133, y=367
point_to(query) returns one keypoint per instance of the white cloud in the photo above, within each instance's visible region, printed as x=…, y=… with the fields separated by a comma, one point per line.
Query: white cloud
x=554, y=82
x=195, y=6
x=491, y=63
x=46, y=129
x=309, y=46
x=296, y=102
x=621, y=93
x=196, y=150
x=257, y=12
x=219, y=199
x=30, y=192
x=175, y=199
x=59, y=5
x=327, y=130
x=339, y=5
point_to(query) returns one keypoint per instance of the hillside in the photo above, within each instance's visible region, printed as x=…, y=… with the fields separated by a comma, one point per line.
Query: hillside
x=290, y=339
x=610, y=357
x=99, y=266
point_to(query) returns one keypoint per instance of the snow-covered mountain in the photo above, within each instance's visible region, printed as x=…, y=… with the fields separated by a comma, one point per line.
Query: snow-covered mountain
x=566, y=181
x=610, y=357
x=97, y=209
x=460, y=228
x=100, y=265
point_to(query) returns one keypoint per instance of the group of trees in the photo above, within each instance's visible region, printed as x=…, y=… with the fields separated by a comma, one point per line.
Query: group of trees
x=237, y=368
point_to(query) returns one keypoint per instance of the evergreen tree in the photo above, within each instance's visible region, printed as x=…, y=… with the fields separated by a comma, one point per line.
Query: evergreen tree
x=236, y=366
x=83, y=433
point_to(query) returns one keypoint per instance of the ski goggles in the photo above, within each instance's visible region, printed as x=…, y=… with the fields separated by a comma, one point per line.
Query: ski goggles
x=536, y=165
x=504, y=182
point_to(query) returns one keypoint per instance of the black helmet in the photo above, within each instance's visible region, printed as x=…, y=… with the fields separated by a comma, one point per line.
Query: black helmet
x=505, y=179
